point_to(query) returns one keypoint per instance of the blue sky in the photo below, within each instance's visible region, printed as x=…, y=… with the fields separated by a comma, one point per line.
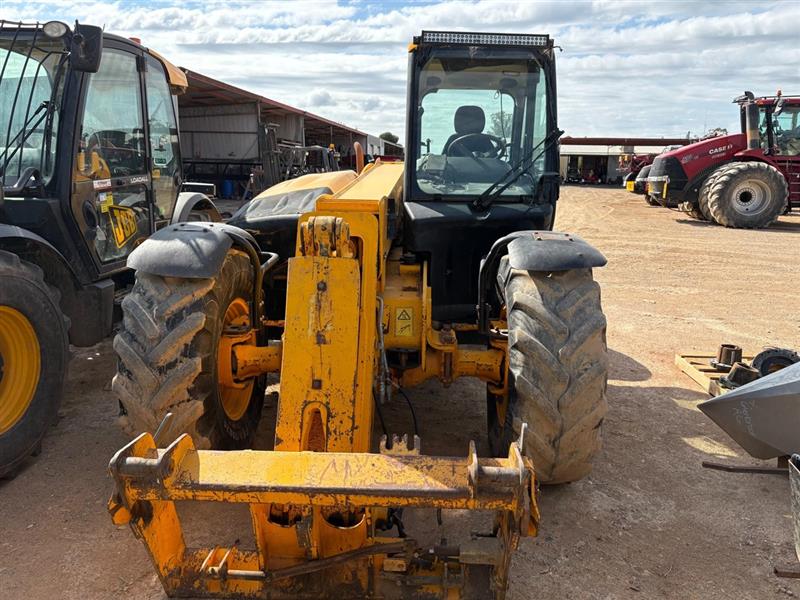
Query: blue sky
x=631, y=68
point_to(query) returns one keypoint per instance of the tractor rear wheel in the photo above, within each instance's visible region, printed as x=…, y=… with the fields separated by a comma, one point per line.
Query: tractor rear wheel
x=702, y=196
x=34, y=354
x=700, y=210
x=747, y=195
x=557, y=370
x=168, y=357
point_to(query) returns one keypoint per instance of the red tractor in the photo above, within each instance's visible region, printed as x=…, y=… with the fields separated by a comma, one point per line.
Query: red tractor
x=744, y=180
x=635, y=165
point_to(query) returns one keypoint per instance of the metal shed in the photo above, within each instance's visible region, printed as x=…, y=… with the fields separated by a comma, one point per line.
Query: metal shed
x=227, y=133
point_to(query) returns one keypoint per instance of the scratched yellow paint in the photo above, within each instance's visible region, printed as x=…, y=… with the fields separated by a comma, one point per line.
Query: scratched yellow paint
x=320, y=349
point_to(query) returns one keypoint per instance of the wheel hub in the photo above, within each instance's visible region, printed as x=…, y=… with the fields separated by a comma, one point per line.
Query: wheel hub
x=751, y=197
x=20, y=366
x=234, y=395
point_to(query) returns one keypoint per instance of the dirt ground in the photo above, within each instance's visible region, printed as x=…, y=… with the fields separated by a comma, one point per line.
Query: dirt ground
x=648, y=523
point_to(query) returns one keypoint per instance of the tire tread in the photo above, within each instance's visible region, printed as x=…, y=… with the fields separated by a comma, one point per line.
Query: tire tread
x=558, y=363
x=165, y=353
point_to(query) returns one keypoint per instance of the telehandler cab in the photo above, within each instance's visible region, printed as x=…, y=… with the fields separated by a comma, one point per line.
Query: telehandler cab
x=351, y=287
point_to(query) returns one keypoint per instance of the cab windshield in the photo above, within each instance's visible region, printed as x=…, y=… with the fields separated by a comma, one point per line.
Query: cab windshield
x=477, y=119
x=31, y=82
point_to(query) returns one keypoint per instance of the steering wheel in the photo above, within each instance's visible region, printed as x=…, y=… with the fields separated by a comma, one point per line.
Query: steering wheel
x=498, y=151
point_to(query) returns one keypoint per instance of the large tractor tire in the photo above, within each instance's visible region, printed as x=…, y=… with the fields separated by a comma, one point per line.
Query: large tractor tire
x=168, y=357
x=557, y=370
x=747, y=195
x=34, y=354
x=692, y=210
x=700, y=210
x=702, y=196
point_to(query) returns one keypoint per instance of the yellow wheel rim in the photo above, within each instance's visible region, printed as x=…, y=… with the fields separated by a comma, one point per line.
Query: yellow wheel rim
x=235, y=399
x=20, y=365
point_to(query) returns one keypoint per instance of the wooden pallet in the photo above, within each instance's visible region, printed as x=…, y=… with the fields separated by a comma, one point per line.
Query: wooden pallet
x=698, y=367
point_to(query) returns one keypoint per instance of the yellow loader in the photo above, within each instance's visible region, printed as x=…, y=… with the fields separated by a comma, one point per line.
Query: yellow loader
x=353, y=287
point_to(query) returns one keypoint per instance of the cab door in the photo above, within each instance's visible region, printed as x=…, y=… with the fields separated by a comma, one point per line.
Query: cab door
x=164, y=144
x=112, y=187
x=786, y=136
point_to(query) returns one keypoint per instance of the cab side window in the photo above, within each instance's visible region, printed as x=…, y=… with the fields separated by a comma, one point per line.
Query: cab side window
x=164, y=144
x=786, y=129
x=112, y=122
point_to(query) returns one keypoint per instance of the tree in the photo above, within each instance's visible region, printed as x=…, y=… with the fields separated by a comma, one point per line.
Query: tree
x=715, y=132
x=389, y=137
x=500, y=124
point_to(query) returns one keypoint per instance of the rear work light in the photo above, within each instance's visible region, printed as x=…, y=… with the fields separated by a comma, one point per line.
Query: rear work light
x=484, y=39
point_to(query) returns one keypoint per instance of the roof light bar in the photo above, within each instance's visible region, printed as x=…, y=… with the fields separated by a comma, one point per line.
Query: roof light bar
x=485, y=39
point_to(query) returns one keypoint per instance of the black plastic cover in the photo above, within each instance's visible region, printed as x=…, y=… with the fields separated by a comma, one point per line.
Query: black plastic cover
x=191, y=250
x=552, y=251
x=295, y=202
x=273, y=219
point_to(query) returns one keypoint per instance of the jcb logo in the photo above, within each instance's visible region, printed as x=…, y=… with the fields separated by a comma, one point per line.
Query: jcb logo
x=123, y=223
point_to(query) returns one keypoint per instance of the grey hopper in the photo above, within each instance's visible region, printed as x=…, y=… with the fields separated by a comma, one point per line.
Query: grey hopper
x=763, y=416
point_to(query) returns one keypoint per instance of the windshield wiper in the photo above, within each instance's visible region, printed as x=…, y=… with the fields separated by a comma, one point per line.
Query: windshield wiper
x=491, y=193
x=25, y=132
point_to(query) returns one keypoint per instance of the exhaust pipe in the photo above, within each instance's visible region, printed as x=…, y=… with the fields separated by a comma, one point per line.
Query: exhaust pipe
x=751, y=126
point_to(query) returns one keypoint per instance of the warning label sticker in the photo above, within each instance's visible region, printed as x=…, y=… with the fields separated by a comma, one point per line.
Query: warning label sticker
x=404, y=322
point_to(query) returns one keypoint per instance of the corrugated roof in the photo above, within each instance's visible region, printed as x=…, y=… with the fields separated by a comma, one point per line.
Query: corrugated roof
x=618, y=141
x=206, y=91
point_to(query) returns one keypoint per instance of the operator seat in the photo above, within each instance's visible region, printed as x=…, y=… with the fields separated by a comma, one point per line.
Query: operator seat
x=469, y=119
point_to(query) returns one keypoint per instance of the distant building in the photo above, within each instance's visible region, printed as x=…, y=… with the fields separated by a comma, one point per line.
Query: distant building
x=377, y=146
x=602, y=159
x=229, y=133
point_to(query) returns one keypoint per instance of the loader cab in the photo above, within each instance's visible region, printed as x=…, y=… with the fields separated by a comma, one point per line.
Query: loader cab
x=481, y=109
x=89, y=151
x=481, y=153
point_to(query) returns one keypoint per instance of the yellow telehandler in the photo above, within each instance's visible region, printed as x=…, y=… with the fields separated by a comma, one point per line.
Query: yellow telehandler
x=353, y=287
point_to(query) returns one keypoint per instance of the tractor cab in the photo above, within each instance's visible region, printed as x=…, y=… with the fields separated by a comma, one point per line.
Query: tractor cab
x=778, y=121
x=90, y=167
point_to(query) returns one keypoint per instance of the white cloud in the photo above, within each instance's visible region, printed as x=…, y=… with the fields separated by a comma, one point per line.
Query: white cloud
x=628, y=68
x=320, y=98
